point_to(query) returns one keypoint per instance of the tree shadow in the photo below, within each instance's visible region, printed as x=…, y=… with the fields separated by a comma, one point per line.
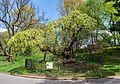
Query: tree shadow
x=106, y=80
x=62, y=82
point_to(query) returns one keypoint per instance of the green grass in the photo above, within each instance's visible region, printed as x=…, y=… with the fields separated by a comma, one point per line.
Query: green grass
x=17, y=67
x=111, y=65
x=6, y=66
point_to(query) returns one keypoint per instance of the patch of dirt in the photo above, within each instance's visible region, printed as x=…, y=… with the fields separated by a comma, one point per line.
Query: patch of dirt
x=51, y=78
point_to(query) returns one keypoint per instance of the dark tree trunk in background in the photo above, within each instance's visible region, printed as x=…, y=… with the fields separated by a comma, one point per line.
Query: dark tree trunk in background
x=45, y=53
x=114, y=38
x=118, y=38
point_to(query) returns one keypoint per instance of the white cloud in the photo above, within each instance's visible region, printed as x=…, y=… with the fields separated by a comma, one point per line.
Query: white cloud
x=3, y=30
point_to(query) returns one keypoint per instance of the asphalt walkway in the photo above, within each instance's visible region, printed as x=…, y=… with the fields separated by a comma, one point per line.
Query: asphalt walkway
x=8, y=79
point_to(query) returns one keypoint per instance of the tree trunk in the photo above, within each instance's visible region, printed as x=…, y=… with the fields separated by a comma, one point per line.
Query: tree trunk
x=45, y=53
x=6, y=53
x=9, y=57
x=67, y=51
x=68, y=48
x=118, y=38
x=114, y=39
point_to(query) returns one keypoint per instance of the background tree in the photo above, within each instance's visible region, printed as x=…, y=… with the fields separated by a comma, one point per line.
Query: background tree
x=114, y=19
x=16, y=16
x=27, y=18
x=3, y=42
x=66, y=6
x=6, y=18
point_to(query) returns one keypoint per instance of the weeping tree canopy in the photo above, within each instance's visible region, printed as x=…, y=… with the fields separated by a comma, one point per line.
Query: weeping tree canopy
x=25, y=40
x=58, y=37
x=31, y=40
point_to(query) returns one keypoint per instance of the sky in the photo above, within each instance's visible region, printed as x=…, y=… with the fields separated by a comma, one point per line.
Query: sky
x=48, y=6
x=2, y=30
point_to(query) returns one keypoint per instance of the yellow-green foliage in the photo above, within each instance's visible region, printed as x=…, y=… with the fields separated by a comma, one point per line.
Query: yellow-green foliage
x=111, y=10
x=29, y=38
x=66, y=27
x=74, y=20
x=70, y=24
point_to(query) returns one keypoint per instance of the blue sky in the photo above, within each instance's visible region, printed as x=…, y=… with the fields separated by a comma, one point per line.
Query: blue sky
x=48, y=6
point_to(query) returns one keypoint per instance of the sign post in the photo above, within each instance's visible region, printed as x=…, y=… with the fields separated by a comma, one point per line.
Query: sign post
x=49, y=65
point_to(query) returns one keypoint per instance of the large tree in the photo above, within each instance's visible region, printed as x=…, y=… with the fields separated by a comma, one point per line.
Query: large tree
x=59, y=36
x=7, y=20
x=93, y=8
x=17, y=15
x=6, y=16
x=27, y=18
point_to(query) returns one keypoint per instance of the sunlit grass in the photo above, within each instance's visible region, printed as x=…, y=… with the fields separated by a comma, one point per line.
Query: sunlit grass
x=111, y=65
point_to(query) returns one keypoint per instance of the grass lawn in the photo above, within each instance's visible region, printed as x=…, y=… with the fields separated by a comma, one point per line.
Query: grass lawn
x=111, y=66
x=6, y=66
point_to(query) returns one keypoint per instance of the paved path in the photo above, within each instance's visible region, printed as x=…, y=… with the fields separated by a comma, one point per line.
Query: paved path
x=7, y=79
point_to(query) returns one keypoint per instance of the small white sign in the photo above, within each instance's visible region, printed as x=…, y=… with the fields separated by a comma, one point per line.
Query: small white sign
x=49, y=65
